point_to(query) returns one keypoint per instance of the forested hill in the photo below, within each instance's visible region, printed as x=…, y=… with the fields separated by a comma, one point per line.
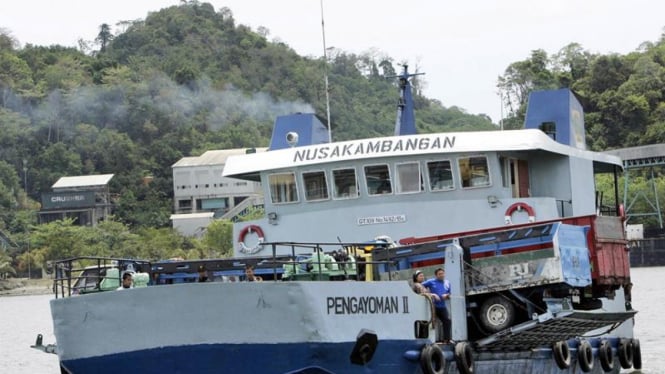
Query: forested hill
x=186, y=79
x=190, y=78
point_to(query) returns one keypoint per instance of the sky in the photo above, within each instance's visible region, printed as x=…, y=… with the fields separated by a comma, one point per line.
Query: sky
x=462, y=46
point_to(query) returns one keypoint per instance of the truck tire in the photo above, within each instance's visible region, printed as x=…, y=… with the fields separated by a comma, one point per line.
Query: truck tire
x=497, y=313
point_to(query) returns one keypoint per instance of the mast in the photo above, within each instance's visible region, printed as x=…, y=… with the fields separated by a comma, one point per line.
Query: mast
x=405, y=123
x=325, y=75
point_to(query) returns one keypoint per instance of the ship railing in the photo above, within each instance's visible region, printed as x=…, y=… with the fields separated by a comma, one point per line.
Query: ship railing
x=335, y=261
x=327, y=260
x=85, y=274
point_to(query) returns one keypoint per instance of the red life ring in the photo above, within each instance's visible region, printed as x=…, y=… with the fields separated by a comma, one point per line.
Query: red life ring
x=622, y=212
x=518, y=207
x=241, y=239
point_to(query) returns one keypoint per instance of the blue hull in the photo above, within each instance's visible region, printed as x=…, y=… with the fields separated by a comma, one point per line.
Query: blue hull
x=251, y=358
x=390, y=357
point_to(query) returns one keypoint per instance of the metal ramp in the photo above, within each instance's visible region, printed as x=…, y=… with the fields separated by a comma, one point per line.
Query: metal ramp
x=551, y=328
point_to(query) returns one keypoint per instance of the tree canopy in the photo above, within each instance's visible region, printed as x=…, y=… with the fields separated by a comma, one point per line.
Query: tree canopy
x=188, y=78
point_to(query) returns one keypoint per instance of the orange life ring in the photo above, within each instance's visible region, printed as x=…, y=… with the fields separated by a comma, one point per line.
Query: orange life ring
x=241, y=239
x=518, y=207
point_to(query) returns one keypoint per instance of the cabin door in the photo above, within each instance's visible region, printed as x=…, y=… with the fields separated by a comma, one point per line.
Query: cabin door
x=519, y=178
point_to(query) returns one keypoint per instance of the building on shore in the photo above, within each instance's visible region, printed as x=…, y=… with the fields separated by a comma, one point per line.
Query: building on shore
x=85, y=198
x=201, y=194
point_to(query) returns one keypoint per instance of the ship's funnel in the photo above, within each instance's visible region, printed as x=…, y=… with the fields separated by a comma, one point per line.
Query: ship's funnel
x=298, y=130
x=559, y=115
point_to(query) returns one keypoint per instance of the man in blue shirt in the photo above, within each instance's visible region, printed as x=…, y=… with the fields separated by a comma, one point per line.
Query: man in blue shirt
x=440, y=287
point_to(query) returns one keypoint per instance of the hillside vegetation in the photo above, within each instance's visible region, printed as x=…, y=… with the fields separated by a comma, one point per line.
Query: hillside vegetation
x=189, y=78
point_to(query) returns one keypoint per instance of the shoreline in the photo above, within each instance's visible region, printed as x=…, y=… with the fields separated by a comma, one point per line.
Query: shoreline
x=25, y=287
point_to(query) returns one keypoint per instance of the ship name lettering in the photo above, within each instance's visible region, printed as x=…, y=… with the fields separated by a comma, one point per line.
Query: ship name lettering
x=369, y=147
x=363, y=305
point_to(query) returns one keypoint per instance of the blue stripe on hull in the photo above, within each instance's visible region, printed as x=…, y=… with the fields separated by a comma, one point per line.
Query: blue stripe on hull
x=250, y=358
x=309, y=358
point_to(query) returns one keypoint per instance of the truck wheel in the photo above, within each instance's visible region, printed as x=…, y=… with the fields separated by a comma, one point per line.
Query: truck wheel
x=497, y=313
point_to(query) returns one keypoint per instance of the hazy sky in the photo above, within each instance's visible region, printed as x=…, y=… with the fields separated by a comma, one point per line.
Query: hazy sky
x=462, y=46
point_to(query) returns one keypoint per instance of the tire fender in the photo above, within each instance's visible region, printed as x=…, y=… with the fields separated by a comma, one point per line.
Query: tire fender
x=585, y=356
x=464, y=358
x=561, y=353
x=605, y=356
x=432, y=360
x=625, y=353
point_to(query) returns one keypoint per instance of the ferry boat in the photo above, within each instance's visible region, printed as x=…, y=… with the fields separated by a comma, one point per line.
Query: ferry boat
x=538, y=266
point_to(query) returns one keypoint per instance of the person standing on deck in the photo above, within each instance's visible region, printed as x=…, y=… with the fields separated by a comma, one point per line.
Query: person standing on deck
x=418, y=279
x=440, y=287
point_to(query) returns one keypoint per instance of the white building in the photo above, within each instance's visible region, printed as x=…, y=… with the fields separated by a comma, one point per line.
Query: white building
x=199, y=190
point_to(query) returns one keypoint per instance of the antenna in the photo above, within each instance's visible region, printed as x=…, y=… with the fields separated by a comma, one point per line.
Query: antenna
x=325, y=74
x=405, y=123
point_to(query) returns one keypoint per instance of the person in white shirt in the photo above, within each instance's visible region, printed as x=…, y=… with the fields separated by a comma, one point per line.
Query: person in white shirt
x=126, y=281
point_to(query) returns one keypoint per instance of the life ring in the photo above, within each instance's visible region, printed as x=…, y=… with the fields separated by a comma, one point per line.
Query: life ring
x=432, y=360
x=518, y=207
x=464, y=358
x=605, y=356
x=585, y=356
x=637, y=355
x=561, y=354
x=241, y=239
x=625, y=353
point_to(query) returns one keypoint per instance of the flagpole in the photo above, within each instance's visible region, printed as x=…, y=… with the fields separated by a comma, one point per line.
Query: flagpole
x=325, y=74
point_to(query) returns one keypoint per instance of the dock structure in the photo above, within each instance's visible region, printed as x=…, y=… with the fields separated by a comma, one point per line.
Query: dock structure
x=634, y=159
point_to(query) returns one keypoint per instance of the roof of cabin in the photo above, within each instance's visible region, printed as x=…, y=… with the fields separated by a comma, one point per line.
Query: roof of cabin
x=83, y=181
x=248, y=166
x=215, y=157
x=641, y=152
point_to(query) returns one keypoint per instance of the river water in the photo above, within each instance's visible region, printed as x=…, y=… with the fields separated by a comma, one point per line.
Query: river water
x=23, y=317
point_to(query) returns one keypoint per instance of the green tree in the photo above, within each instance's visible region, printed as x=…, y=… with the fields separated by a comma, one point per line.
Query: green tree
x=104, y=36
x=58, y=240
x=218, y=239
x=6, y=268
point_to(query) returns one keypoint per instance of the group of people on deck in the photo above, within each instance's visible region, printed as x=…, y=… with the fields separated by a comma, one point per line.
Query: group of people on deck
x=127, y=281
x=438, y=288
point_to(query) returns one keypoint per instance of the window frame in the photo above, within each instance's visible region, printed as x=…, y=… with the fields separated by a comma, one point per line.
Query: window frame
x=295, y=188
x=390, y=179
x=335, y=195
x=398, y=181
x=459, y=171
x=325, y=189
x=453, y=176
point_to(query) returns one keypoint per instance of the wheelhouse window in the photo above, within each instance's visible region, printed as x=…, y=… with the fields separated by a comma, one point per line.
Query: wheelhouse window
x=346, y=184
x=283, y=188
x=408, y=178
x=377, y=178
x=316, y=186
x=474, y=171
x=440, y=175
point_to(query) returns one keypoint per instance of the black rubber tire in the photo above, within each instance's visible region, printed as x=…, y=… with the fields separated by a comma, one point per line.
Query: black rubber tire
x=496, y=313
x=625, y=353
x=561, y=353
x=585, y=356
x=432, y=360
x=464, y=358
x=605, y=356
x=637, y=355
